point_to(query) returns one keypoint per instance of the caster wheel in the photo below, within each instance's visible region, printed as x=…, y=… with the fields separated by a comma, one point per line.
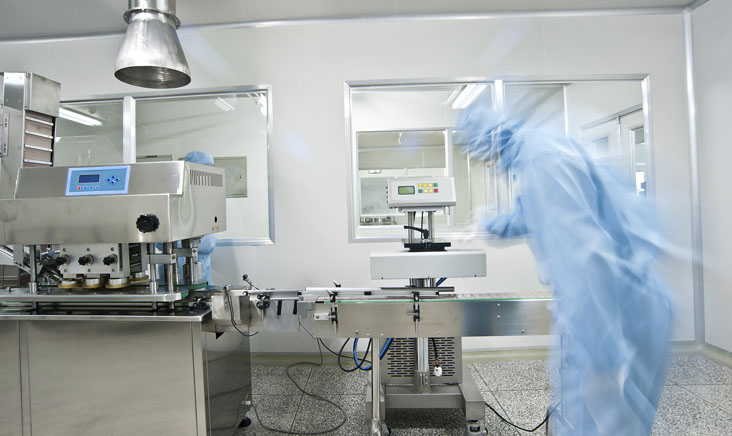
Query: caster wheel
x=246, y=422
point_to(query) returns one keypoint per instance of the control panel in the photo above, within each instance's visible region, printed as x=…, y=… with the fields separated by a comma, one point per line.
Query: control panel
x=98, y=180
x=421, y=192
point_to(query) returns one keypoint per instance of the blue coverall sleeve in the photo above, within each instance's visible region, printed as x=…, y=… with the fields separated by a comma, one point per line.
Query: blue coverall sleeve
x=508, y=225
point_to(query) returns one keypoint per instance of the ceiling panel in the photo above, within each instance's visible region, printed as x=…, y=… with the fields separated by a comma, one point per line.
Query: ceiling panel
x=43, y=18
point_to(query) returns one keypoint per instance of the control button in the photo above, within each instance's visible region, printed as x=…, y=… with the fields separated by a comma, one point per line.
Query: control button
x=78, y=188
x=420, y=191
x=112, y=180
x=435, y=185
x=419, y=185
x=147, y=223
x=436, y=190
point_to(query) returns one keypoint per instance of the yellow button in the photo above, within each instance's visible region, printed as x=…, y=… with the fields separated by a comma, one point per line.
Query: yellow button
x=420, y=185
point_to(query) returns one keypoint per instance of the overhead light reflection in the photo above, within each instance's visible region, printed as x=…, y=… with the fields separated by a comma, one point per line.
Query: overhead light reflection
x=78, y=118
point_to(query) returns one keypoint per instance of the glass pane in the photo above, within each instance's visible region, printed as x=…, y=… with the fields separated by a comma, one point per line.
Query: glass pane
x=640, y=156
x=89, y=134
x=600, y=115
x=233, y=129
x=401, y=131
x=382, y=155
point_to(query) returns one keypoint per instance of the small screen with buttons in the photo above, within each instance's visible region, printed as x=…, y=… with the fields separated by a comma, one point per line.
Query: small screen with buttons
x=406, y=190
x=98, y=180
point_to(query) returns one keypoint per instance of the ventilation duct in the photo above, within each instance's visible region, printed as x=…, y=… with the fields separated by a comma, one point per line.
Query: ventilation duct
x=151, y=55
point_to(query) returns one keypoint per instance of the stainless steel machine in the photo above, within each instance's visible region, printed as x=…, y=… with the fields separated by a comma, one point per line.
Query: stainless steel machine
x=423, y=322
x=98, y=341
x=98, y=344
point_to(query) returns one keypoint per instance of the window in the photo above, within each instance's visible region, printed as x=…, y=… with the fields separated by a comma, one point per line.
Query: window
x=233, y=126
x=406, y=129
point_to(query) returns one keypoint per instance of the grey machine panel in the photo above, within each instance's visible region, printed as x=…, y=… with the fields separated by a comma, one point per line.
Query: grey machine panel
x=11, y=417
x=187, y=198
x=103, y=376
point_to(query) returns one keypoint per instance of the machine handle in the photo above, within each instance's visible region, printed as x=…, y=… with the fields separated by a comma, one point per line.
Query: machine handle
x=425, y=232
x=147, y=223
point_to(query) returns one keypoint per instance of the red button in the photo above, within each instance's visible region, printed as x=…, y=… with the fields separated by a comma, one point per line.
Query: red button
x=436, y=191
x=78, y=188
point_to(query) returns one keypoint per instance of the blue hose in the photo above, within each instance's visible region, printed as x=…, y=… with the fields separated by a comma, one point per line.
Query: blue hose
x=384, y=349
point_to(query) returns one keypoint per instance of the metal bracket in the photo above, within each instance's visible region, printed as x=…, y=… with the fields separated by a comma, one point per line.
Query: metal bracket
x=4, y=121
x=163, y=259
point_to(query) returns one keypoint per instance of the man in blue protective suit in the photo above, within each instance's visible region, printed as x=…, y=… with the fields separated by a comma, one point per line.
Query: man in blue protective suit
x=595, y=242
x=208, y=242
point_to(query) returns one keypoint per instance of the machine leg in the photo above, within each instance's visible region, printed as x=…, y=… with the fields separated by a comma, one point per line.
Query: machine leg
x=377, y=427
x=475, y=428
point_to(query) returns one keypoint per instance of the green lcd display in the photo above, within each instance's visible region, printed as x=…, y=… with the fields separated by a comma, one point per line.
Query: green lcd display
x=406, y=190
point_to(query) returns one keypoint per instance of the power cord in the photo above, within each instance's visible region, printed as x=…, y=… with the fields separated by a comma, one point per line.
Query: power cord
x=546, y=418
x=341, y=410
x=231, y=313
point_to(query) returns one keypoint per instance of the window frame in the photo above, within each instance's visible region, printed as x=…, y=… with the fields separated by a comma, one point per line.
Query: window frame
x=504, y=185
x=129, y=146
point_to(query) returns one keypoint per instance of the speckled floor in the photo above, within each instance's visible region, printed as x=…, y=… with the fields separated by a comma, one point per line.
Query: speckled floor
x=697, y=400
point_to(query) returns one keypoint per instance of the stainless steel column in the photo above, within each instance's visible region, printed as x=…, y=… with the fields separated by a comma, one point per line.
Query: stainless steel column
x=410, y=223
x=376, y=418
x=33, y=285
x=431, y=225
x=170, y=268
x=422, y=370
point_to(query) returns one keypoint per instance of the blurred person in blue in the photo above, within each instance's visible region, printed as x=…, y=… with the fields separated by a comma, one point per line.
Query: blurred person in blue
x=595, y=242
x=208, y=242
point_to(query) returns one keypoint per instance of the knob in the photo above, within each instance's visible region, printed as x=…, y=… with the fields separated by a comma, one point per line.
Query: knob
x=86, y=260
x=147, y=223
x=61, y=260
x=109, y=260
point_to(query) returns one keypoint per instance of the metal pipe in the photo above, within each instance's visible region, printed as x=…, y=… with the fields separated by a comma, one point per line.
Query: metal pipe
x=376, y=419
x=410, y=223
x=170, y=268
x=431, y=226
x=153, y=273
x=33, y=285
x=422, y=370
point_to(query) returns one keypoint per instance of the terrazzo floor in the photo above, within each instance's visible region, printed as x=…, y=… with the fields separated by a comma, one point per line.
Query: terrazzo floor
x=697, y=400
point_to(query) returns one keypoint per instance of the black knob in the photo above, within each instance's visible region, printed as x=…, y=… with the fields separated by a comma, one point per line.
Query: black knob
x=61, y=260
x=147, y=223
x=86, y=260
x=109, y=260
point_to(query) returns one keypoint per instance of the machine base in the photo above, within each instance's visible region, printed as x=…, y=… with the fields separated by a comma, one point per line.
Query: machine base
x=465, y=396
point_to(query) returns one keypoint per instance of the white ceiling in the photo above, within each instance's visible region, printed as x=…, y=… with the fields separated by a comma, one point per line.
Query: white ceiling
x=50, y=18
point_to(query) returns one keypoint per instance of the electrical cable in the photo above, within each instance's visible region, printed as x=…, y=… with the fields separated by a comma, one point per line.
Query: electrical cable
x=344, y=415
x=231, y=313
x=439, y=282
x=382, y=353
x=546, y=418
x=335, y=353
x=434, y=348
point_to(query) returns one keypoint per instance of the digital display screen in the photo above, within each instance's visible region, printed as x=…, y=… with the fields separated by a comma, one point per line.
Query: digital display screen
x=89, y=178
x=406, y=190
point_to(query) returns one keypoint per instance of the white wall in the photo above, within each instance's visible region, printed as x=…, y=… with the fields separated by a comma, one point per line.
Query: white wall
x=713, y=71
x=307, y=66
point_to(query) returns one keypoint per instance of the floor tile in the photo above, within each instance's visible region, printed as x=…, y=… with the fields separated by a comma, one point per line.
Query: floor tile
x=276, y=411
x=274, y=379
x=511, y=376
x=331, y=380
x=317, y=415
x=697, y=370
x=682, y=413
x=524, y=408
x=719, y=395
